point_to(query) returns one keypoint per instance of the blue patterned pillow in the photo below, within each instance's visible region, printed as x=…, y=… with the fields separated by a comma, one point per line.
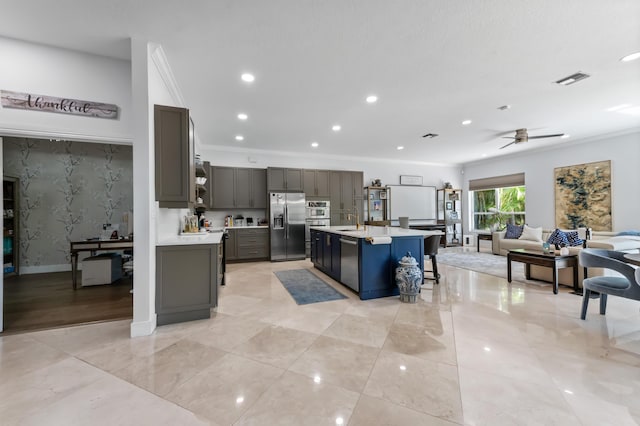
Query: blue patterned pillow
x=574, y=239
x=513, y=231
x=558, y=238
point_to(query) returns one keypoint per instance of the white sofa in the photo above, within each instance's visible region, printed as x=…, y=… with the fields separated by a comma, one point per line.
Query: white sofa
x=599, y=239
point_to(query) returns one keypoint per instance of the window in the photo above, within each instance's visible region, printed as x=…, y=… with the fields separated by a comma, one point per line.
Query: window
x=494, y=208
x=495, y=201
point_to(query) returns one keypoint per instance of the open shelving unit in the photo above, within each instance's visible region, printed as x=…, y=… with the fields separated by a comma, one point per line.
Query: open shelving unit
x=10, y=223
x=376, y=209
x=450, y=215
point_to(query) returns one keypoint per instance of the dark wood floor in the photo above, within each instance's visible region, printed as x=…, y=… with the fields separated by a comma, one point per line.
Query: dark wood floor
x=39, y=301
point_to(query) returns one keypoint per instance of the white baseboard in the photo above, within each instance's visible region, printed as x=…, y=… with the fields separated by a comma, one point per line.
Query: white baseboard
x=43, y=269
x=143, y=328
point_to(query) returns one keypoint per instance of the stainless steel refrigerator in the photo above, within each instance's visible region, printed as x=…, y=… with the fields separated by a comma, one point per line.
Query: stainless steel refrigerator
x=287, y=219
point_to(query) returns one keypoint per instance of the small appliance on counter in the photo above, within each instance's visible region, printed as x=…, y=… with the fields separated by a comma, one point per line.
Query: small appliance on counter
x=238, y=221
x=249, y=221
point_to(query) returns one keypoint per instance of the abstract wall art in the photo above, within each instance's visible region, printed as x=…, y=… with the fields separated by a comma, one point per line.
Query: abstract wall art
x=583, y=196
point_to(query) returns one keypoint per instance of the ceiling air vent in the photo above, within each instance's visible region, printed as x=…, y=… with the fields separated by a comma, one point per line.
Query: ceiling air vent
x=430, y=135
x=574, y=78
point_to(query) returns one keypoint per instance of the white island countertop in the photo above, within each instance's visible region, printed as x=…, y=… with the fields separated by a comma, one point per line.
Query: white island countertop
x=374, y=231
x=191, y=239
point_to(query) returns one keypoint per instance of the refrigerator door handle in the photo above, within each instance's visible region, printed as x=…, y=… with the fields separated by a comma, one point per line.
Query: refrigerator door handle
x=286, y=222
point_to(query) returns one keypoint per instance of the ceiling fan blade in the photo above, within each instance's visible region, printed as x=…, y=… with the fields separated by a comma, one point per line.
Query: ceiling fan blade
x=508, y=137
x=546, y=136
x=510, y=143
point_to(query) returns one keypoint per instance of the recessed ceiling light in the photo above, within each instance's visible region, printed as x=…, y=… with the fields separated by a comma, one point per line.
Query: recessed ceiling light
x=466, y=122
x=239, y=137
x=336, y=127
x=314, y=144
x=618, y=107
x=243, y=116
x=630, y=57
x=372, y=99
x=249, y=78
x=400, y=148
x=565, y=136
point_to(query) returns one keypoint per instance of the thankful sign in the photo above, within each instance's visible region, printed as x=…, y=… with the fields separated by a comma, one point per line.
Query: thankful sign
x=33, y=102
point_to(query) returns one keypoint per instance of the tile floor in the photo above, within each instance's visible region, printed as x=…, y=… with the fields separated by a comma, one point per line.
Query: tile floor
x=472, y=351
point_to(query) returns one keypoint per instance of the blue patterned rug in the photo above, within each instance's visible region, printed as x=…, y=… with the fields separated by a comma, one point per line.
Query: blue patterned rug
x=306, y=288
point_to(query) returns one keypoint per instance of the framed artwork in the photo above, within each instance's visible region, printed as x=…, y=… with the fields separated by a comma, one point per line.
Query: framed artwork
x=383, y=195
x=448, y=205
x=377, y=205
x=583, y=196
x=454, y=196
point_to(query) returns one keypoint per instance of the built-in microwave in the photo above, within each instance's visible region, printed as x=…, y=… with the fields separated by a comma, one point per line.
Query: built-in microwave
x=318, y=210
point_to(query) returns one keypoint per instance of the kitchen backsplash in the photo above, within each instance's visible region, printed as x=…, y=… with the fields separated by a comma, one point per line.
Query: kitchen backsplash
x=216, y=217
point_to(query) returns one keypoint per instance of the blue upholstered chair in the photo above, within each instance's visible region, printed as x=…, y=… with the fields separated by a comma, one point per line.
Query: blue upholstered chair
x=626, y=285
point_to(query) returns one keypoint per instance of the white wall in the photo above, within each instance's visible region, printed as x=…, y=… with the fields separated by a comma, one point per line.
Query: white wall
x=538, y=167
x=43, y=70
x=388, y=171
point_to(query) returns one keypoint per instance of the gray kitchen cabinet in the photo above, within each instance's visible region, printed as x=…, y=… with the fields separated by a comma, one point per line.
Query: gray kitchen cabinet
x=186, y=282
x=231, y=246
x=345, y=196
x=247, y=244
x=259, y=188
x=238, y=188
x=316, y=183
x=174, y=157
x=223, y=187
x=282, y=179
x=253, y=243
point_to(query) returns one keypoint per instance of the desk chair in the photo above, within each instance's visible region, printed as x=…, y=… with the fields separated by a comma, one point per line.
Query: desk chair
x=626, y=285
x=431, y=245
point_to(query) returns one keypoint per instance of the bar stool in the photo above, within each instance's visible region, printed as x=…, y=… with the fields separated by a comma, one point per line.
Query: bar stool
x=431, y=245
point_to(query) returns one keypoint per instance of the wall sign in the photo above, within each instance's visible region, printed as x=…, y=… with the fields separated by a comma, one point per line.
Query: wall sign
x=33, y=102
x=410, y=180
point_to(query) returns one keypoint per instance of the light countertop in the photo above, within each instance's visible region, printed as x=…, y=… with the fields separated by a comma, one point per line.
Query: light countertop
x=193, y=239
x=375, y=231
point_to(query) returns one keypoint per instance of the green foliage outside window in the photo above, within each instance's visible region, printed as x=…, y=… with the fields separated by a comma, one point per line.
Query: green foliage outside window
x=494, y=208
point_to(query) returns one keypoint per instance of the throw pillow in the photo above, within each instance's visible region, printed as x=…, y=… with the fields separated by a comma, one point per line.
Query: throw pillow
x=531, y=234
x=631, y=233
x=558, y=238
x=513, y=231
x=574, y=238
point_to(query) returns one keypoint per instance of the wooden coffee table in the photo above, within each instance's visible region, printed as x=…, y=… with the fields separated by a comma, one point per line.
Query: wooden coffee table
x=550, y=260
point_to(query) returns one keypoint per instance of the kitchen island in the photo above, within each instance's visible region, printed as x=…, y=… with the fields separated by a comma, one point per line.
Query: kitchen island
x=365, y=259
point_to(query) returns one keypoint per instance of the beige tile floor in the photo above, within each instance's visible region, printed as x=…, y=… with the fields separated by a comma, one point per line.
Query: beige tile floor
x=474, y=350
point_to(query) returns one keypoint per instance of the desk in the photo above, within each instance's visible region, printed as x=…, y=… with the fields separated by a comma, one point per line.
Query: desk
x=93, y=246
x=633, y=258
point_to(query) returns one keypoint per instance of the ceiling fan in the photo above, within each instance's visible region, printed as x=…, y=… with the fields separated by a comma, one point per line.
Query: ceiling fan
x=523, y=136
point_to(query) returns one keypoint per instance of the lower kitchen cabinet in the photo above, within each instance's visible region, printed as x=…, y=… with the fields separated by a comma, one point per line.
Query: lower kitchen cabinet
x=247, y=244
x=186, y=282
x=325, y=253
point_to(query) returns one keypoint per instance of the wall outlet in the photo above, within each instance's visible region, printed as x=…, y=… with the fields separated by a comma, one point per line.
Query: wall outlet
x=466, y=240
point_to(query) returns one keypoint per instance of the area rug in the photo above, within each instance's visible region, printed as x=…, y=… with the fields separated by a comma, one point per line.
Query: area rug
x=487, y=263
x=307, y=288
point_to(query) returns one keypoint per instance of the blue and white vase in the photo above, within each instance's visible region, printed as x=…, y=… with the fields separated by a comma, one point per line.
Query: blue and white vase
x=409, y=279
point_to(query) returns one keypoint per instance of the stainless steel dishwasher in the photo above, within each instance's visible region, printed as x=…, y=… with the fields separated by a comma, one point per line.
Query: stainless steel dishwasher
x=349, y=262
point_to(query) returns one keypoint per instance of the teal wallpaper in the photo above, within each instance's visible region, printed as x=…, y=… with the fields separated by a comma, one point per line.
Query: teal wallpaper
x=67, y=191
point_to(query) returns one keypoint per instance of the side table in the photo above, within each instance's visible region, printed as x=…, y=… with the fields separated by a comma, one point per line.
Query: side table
x=483, y=236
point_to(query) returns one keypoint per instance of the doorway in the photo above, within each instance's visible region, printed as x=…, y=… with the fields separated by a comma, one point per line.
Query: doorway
x=68, y=191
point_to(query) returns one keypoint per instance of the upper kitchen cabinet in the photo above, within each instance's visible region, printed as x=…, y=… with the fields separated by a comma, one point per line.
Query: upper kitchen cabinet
x=238, y=188
x=174, y=157
x=281, y=179
x=316, y=183
x=345, y=196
